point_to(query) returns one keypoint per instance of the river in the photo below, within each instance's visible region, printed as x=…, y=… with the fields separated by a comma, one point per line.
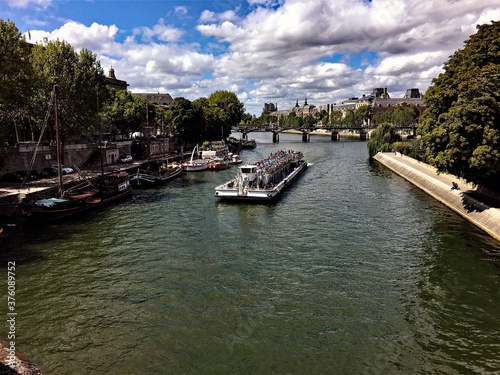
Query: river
x=353, y=271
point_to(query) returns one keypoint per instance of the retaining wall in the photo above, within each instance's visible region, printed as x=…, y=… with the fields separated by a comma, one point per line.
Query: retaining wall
x=438, y=186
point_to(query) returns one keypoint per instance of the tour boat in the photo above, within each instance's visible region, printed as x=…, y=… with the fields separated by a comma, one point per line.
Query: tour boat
x=264, y=180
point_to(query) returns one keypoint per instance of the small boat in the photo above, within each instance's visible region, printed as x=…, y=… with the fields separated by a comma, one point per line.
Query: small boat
x=195, y=165
x=154, y=173
x=248, y=144
x=234, y=158
x=264, y=180
x=242, y=142
x=218, y=164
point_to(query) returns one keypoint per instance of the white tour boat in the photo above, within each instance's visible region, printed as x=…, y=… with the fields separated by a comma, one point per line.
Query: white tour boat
x=264, y=180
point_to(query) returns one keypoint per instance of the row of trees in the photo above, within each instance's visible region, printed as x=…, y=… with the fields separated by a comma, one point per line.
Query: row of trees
x=86, y=106
x=460, y=127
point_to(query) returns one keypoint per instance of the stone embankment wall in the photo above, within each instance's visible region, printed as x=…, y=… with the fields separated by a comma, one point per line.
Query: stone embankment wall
x=438, y=186
x=19, y=158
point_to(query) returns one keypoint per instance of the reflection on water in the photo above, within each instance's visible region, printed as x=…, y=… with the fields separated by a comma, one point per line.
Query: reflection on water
x=353, y=271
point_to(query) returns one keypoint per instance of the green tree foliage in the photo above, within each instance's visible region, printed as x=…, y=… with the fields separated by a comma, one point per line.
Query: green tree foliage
x=382, y=139
x=309, y=120
x=246, y=118
x=127, y=113
x=291, y=121
x=461, y=125
x=364, y=113
x=186, y=120
x=336, y=118
x=350, y=119
x=80, y=81
x=215, y=120
x=231, y=109
x=401, y=115
x=16, y=81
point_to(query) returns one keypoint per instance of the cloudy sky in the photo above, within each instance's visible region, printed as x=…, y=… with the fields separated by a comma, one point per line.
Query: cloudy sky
x=265, y=51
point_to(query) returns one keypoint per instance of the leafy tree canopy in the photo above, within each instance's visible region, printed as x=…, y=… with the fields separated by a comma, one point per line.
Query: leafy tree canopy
x=230, y=106
x=382, y=139
x=80, y=81
x=16, y=86
x=185, y=119
x=461, y=125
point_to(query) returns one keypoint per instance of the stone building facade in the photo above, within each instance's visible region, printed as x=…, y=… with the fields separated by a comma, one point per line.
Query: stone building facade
x=379, y=99
x=114, y=83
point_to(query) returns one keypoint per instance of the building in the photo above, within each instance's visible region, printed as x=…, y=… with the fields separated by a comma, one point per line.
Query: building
x=162, y=100
x=269, y=108
x=114, y=83
x=379, y=99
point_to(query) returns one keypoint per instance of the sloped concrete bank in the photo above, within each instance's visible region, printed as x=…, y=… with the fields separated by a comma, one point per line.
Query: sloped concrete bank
x=438, y=186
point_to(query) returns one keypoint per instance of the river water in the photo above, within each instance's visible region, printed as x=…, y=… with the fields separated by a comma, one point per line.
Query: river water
x=353, y=271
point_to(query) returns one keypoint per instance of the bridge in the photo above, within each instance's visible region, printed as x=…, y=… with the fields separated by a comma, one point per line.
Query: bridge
x=335, y=131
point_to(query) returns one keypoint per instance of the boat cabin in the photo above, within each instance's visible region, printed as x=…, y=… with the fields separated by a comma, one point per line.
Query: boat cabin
x=248, y=172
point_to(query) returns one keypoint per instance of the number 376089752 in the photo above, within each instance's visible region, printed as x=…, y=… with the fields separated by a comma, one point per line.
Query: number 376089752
x=11, y=286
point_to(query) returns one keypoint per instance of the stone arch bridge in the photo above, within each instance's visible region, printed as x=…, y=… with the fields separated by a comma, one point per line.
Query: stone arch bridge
x=335, y=131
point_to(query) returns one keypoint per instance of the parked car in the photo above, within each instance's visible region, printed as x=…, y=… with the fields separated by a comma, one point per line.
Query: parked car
x=48, y=172
x=25, y=175
x=125, y=159
x=64, y=169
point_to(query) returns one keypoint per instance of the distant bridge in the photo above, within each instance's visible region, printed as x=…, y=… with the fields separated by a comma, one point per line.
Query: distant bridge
x=335, y=131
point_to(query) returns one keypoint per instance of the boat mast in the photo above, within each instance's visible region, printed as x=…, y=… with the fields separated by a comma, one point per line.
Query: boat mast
x=58, y=143
x=100, y=133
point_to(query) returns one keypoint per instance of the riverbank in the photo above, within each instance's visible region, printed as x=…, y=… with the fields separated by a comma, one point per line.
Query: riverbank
x=484, y=213
x=23, y=365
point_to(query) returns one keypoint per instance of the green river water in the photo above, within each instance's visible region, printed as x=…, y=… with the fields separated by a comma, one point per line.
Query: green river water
x=353, y=271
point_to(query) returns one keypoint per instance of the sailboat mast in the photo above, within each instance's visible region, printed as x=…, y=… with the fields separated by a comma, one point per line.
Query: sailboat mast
x=58, y=142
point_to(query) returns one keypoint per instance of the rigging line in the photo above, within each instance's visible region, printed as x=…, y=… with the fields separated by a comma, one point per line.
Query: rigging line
x=44, y=126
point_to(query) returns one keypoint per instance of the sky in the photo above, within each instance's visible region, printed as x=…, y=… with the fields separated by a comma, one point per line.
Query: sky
x=265, y=51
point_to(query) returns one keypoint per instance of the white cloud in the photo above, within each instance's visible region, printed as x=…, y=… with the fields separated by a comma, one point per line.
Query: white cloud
x=284, y=50
x=40, y=4
x=95, y=37
x=181, y=10
x=161, y=31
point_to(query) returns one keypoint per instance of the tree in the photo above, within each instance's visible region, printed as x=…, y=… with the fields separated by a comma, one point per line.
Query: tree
x=186, y=120
x=214, y=120
x=461, y=124
x=246, y=118
x=80, y=81
x=16, y=81
x=364, y=114
x=232, y=108
x=351, y=119
x=382, y=139
x=126, y=113
x=336, y=118
x=404, y=115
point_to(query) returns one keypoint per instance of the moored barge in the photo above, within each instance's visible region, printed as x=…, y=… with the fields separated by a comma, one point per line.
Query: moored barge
x=264, y=180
